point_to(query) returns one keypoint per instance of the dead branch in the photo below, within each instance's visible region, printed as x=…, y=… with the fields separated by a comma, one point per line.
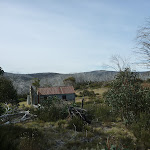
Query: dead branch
x=78, y=112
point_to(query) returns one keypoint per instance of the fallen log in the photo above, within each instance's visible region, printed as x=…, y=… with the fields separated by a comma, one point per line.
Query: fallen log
x=16, y=118
x=79, y=112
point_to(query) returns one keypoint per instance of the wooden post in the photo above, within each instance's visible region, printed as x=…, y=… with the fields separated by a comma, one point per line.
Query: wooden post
x=82, y=102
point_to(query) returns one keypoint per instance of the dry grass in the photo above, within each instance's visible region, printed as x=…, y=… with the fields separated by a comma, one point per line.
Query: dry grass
x=79, y=99
x=100, y=91
x=115, y=132
x=60, y=137
x=23, y=104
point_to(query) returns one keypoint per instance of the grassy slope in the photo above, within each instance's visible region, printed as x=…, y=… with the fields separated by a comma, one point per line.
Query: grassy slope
x=58, y=136
x=98, y=132
x=23, y=104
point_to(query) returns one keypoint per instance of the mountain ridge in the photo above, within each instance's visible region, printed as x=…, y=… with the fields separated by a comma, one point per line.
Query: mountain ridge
x=22, y=82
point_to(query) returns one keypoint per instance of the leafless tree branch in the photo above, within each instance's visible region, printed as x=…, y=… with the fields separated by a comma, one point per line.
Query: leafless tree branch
x=143, y=43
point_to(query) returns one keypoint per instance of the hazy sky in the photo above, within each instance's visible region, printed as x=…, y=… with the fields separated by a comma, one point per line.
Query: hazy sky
x=67, y=36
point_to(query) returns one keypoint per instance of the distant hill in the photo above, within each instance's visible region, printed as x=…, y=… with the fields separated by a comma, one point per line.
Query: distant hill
x=22, y=82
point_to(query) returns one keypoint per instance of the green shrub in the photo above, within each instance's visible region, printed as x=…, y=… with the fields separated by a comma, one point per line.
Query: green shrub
x=33, y=110
x=22, y=96
x=91, y=84
x=2, y=110
x=127, y=97
x=148, y=80
x=83, y=85
x=104, y=94
x=22, y=99
x=88, y=93
x=78, y=103
x=141, y=130
x=52, y=109
x=100, y=112
x=61, y=123
x=76, y=123
x=7, y=91
x=99, y=100
x=130, y=100
x=18, y=138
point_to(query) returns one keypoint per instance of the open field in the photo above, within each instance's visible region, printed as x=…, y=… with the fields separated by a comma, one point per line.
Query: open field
x=100, y=91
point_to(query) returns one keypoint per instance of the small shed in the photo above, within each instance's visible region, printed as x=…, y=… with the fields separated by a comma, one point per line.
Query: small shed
x=62, y=92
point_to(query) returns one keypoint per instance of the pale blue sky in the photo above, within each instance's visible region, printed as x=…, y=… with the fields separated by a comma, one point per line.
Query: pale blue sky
x=67, y=36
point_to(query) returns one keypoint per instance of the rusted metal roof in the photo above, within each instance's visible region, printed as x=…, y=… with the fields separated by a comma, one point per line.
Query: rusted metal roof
x=56, y=90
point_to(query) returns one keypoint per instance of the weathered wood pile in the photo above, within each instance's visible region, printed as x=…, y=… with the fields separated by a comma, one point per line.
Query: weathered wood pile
x=79, y=112
x=16, y=117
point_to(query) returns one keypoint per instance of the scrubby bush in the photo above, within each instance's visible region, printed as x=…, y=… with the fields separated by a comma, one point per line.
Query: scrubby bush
x=7, y=91
x=76, y=124
x=88, y=93
x=22, y=99
x=81, y=85
x=148, y=80
x=70, y=81
x=100, y=112
x=96, y=84
x=78, y=104
x=61, y=123
x=18, y=138
x=91, y=84
x=127, y=97
x=141, y=130
x=52, y=109
x=2, y=110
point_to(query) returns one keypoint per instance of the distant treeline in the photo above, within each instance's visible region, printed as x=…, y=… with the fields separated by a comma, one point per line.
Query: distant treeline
x=86, y=85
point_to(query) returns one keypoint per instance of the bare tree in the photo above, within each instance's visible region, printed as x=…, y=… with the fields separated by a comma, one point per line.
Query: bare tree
x=143, y=43
x=118, y=63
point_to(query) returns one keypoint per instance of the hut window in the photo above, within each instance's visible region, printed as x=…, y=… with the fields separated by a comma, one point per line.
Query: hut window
x=64, y=97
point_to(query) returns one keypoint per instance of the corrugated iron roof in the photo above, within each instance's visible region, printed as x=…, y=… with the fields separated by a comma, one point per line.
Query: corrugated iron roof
x=56, y=90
